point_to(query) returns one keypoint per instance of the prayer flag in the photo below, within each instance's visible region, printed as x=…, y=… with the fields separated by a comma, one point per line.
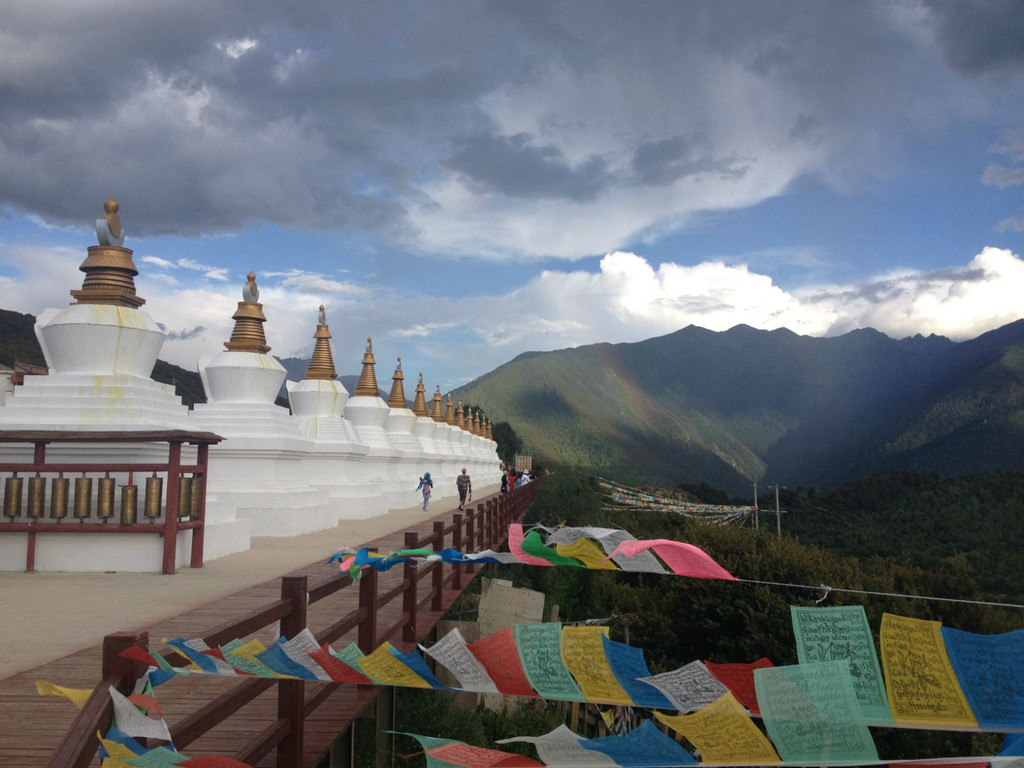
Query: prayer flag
x=77, y=696
x=723, y=733
x=812, y=714
x=681, y=558
x=583, y=654
x=644, y=746
x=739, y=679
x=515, y=546
x=919, y=678
x=842, y=632
x=533, y=545
x=628, y=666
x=498, y=654
x=689, y=688
x=540, y=651
x=990, y=669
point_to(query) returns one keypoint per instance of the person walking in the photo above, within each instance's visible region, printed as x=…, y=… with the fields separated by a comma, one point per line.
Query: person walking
x=426, y=484
x=504, y=481
x=465, y=487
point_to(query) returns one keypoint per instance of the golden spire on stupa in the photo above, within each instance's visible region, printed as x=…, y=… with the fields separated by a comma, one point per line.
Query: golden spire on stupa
x=321, y=365
x=247, y=335
x=109, y=269
x=367, y=386
x=397, y=397
x=435, y=411
x=419, y=405
x=487, y=430
x=460, y=417
x=474, y=424
x=449, y=414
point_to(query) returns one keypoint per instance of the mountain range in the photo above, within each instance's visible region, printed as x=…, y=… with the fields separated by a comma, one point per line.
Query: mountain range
x=744, y=405
x=736, y=407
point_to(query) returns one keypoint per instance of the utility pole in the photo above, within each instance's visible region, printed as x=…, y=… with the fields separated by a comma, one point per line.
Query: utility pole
x=778, y=514
x=755, y=505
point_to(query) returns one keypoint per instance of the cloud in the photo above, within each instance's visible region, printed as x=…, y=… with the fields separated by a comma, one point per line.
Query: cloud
x=979, y=36
x=625, y=298
x=475, y=129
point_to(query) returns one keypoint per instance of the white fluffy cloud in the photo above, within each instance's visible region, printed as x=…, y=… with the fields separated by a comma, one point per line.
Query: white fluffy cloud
x=625, y=299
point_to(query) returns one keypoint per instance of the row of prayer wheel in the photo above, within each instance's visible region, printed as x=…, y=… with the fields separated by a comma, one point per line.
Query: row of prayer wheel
x=16, y=505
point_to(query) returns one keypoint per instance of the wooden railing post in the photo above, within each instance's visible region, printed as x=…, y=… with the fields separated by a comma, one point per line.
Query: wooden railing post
x=171, y=508
x=367, y=635
x=457, y=545
x=481, y=525
x=199, y=534
x=291, y=694
x=409, y=634
x=437, y=604
x=80, y=744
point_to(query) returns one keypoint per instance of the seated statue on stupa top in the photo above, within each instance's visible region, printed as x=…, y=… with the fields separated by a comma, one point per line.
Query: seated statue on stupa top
x=108, y=227
x=251, y=291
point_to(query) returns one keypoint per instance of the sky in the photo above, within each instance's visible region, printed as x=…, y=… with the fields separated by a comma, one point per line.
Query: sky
x=467, y=181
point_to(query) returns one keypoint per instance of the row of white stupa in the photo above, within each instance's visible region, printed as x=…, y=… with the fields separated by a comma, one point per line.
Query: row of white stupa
x=277, y=473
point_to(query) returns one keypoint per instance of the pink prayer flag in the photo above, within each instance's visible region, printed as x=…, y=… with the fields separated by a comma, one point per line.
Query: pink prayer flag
x=478, y=757
x=739, y=679
x=682, y=559
x=500, y=658
x=515, y=546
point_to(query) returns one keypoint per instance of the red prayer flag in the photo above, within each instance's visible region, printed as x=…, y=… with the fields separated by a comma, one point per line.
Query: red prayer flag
x=739, y=678
x=339, y=671
x=478, y=757
x=500, y=658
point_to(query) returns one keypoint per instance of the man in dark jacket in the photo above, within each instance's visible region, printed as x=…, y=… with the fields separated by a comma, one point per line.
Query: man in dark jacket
x=465, y=487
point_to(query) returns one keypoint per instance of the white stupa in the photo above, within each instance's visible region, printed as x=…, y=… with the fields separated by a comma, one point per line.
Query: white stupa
x=100, y=352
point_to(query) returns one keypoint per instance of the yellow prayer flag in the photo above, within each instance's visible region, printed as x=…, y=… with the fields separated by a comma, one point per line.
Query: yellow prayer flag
x=919, y=678
x=78, y=696
x=588, y=553
x=247, y=653
x=608, y=715
x=723, y=733
x=583, y=655
x=385, y=668
x=116, y=750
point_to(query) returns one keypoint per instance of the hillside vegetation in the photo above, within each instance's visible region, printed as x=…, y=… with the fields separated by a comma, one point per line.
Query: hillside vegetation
x=742, y=405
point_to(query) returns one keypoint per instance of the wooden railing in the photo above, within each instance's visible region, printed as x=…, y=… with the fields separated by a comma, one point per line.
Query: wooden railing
x=179, y=512
x=482, y=528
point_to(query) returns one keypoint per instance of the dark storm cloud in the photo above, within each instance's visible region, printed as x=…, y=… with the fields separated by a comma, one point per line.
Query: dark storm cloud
x=980, y=35
x=210, y=117
x=667, y=161
x=512, y=165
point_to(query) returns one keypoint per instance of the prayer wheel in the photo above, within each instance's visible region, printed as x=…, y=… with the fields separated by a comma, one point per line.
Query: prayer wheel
x=154, y=493
x=197, y=492
x=12, y=497
x=105, y=497
x=83, y=497
x=36, y=496
x=184, y=497
x=59, y=497
x=129, y=503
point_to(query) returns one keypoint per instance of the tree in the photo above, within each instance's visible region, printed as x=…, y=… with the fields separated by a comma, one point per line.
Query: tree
x=509, y=442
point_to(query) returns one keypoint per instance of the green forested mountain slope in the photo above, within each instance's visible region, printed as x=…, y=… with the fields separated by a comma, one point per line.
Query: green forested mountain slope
x=728, y=408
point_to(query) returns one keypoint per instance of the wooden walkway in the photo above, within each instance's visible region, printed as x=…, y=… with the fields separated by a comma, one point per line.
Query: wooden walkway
x=33, y=727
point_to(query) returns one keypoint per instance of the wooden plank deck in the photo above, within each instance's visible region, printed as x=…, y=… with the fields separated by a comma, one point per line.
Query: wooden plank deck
x=31, y=726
